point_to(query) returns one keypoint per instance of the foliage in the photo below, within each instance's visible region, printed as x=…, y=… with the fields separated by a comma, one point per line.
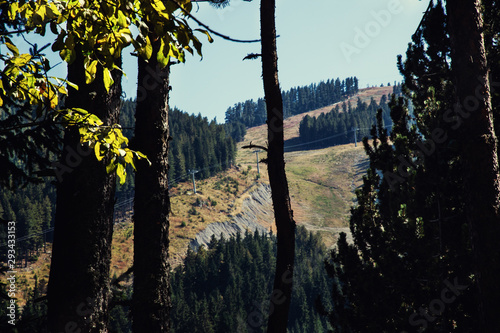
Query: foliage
x=225, y=288
x=100, y=31
x=197, y=144
x=411, y=236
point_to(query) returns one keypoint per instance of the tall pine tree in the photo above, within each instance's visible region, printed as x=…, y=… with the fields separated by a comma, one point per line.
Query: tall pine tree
x=411, y=266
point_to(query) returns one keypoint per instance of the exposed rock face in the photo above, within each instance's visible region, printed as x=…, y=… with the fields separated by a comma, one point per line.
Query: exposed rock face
x=256, y=214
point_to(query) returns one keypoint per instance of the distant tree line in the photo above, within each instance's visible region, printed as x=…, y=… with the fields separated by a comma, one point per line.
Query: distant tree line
x=32, y=208
x=337, y=126
x=295, y=101
x=196, y=143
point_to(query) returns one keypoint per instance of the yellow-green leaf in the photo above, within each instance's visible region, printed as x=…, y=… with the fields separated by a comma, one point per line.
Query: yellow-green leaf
x=129, y=158
x=108, y=80
x=147, y=50
x=67, y=55
x=97, y=151
x=13, y=48
x=62, y=89
x=121, y=173
x=122, y=19
x=90, y=72
x=111, y=166
x=210, y=39
x=13, y=8
x=72, y=85
x=140, y=155
x=163, y=55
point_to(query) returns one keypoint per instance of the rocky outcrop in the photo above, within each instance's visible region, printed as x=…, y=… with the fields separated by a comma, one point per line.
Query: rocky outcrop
x=256, y=214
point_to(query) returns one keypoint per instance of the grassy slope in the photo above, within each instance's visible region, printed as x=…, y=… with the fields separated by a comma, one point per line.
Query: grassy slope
x=321, y=182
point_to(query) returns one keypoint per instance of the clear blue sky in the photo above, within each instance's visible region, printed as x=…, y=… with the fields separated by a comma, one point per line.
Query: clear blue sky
x=319, y=39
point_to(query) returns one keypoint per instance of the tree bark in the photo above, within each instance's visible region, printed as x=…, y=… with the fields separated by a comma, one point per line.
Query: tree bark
x=479, y=151
x=78, y=289
x=151, y=299
x=285, y=225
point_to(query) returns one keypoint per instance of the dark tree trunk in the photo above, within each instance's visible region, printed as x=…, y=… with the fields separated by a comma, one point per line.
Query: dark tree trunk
x=479, y=151
x=78, y=290
x=285, y=225
x=151, y=299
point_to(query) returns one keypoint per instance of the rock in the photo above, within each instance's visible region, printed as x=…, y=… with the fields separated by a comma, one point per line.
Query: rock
x=256, y=211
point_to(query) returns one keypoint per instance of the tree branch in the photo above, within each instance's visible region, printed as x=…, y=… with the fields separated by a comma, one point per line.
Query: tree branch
x=252, y=56
x=120, y=278
x=188, y=14
x=251, y=145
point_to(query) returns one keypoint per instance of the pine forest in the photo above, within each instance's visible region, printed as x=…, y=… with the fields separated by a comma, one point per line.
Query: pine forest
x=220, y=167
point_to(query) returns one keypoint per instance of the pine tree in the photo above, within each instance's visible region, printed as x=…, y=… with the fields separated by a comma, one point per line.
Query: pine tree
x=411, y=265
x=479, y=150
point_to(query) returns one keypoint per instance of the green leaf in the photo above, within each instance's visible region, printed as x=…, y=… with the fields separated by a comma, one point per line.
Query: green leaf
x=163, y=55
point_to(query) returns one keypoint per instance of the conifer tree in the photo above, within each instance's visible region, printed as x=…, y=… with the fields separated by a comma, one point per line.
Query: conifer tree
x=411, y=266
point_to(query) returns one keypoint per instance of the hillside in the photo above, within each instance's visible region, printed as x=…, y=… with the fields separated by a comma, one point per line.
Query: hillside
x=322, y=181
x=322, y=184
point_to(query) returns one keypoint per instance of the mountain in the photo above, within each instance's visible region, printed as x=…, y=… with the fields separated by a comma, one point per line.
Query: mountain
x=322, y=183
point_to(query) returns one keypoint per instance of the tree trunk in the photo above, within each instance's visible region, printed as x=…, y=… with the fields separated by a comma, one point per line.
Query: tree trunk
x=78, y=289
x=285, y=225
x=151, y=299
x=479, y=151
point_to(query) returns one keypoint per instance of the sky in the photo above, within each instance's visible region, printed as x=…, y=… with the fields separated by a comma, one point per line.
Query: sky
x=318, y=40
